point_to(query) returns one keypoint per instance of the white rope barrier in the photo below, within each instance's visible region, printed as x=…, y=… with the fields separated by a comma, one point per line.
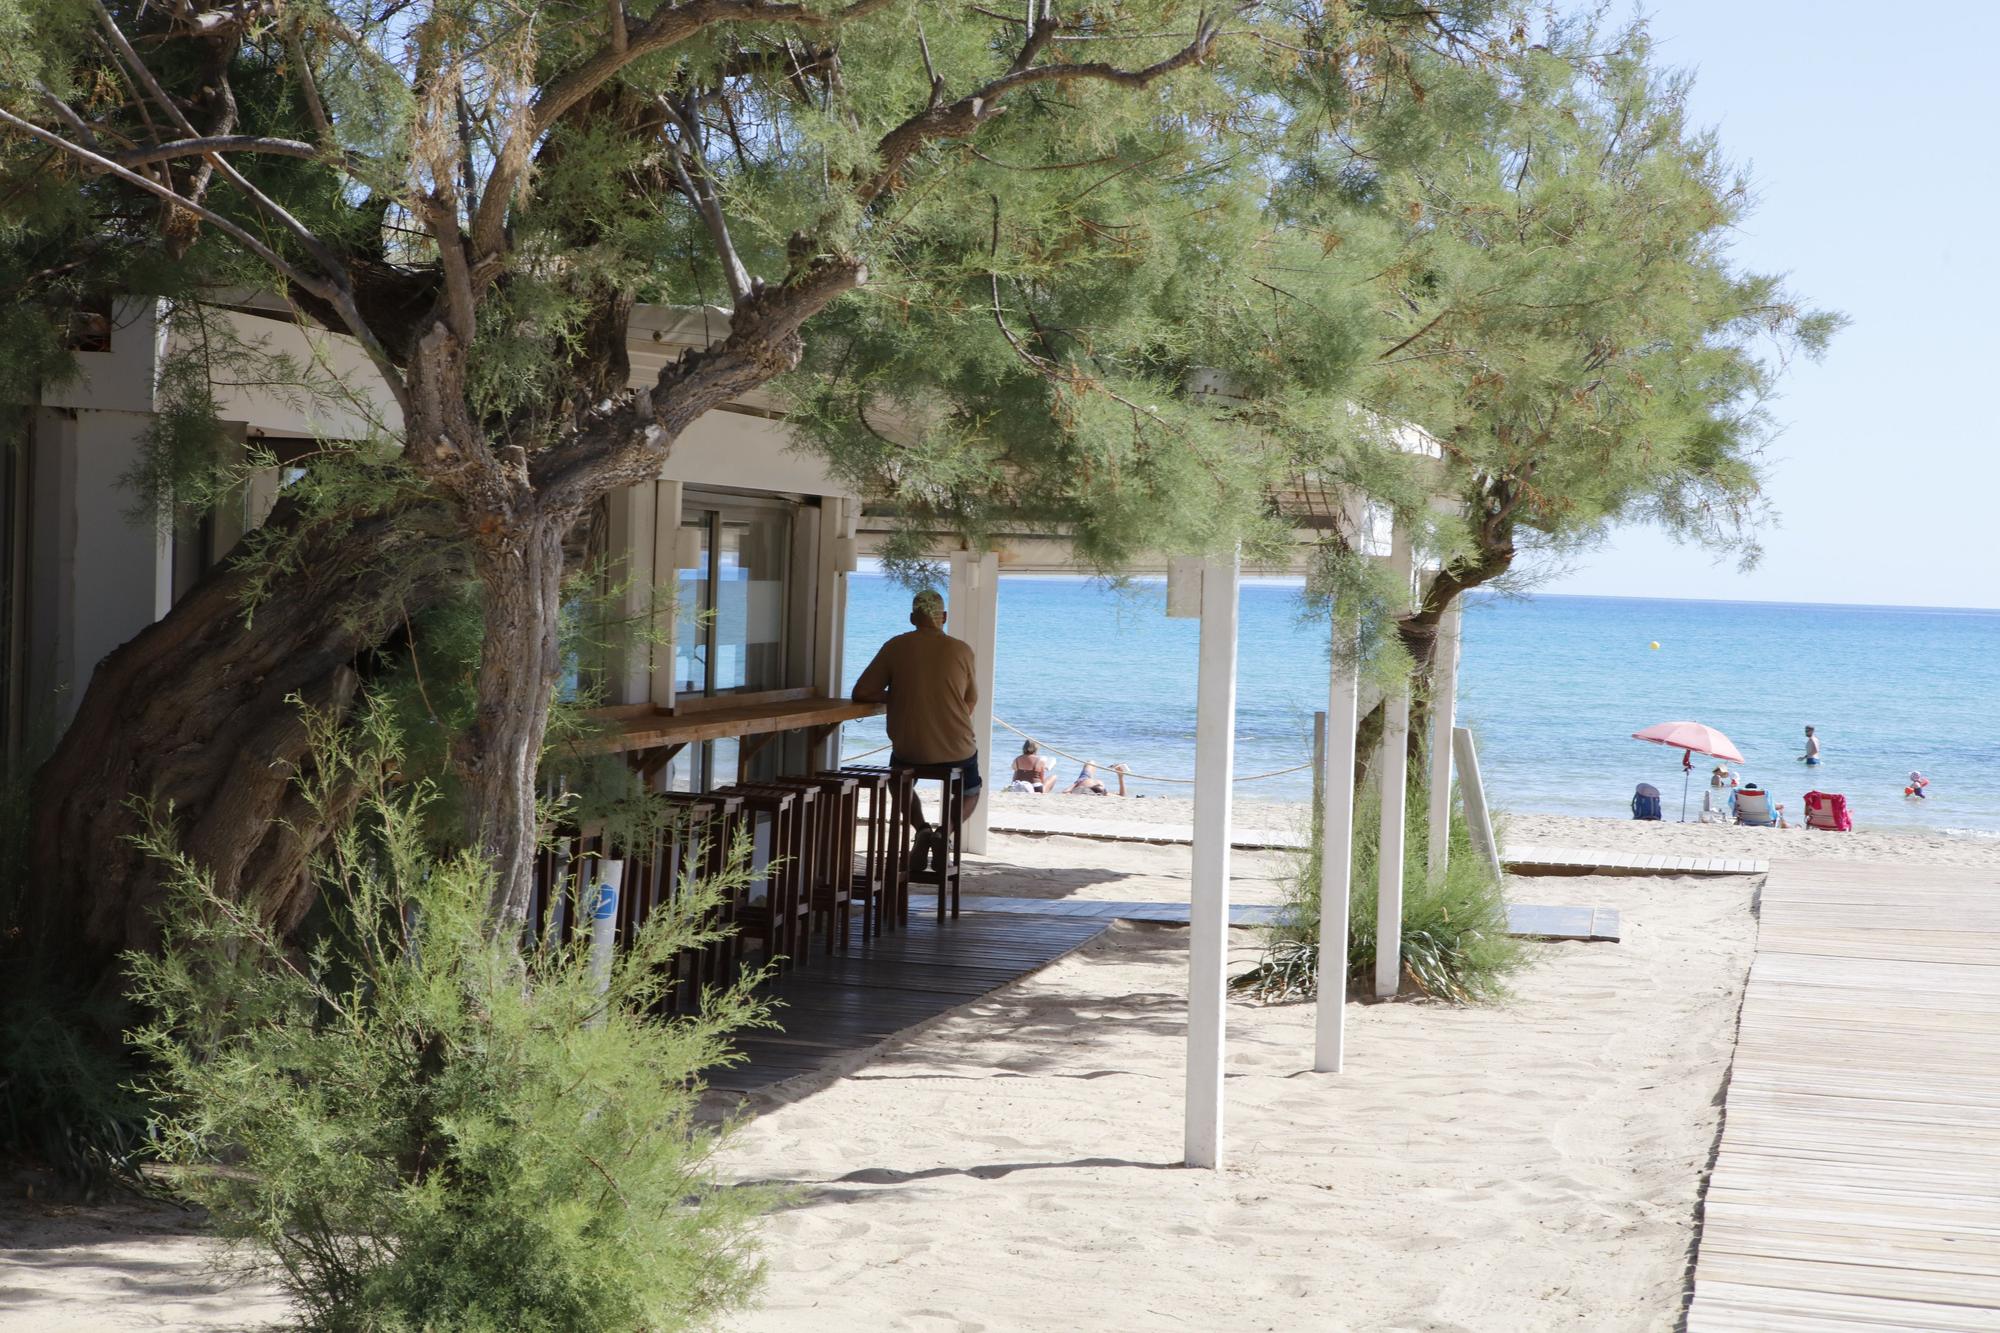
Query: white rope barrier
x=1100, y=764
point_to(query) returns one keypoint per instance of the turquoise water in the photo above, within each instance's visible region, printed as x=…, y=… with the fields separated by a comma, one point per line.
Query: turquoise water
x=1553, y=687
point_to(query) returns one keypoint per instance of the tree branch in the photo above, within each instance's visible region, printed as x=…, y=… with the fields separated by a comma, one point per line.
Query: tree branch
x=216, y=143
x=250, y=242
x=968, y=113
x=699, y=187
x=670, y=25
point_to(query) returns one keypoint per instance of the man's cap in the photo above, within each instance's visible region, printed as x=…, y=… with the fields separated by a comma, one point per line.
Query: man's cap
x=929, y=604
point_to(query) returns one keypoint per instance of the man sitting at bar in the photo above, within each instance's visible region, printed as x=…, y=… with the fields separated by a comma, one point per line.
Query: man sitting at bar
x=926, y=679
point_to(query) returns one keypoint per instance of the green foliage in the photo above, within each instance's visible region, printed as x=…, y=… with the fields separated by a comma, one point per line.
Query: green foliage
x=1455, y=943
x=64, y=1099
x=413, y=1125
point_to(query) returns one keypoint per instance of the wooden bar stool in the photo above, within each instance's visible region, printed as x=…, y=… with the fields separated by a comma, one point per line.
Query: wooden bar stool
x=801, y=853
x=868, y=847
x=832, y=834
x=892, y=832
x=776, y=919
x=950, y=826
x=698, y=845
x=789, y=867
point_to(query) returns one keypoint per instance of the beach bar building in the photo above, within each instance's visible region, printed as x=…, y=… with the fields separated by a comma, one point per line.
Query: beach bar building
x=738, y=553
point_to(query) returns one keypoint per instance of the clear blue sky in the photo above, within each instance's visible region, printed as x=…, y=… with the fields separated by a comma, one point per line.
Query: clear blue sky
x=1878, y=173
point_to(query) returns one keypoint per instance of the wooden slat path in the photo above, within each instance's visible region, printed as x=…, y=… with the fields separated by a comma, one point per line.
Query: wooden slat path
x=1857, y=1182
x=1135, y=830
x=1524, y=919
x=836, y=1006
x=1581, y=861
x=1087, y=909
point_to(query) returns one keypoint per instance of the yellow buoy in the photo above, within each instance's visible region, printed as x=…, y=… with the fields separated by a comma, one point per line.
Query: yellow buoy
x=1656, y=645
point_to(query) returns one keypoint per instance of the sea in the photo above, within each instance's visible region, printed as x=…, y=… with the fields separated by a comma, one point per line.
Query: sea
x=1552, y=686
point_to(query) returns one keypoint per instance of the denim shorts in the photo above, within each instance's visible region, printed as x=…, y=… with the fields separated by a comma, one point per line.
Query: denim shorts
x=969, y=767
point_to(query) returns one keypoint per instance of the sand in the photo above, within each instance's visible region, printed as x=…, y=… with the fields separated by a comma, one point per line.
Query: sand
x=1905, y=846
x=1529, y=1165
x=1524, y=1166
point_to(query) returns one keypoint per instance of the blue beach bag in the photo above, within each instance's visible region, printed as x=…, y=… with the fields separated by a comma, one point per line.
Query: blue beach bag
x=1646, y=802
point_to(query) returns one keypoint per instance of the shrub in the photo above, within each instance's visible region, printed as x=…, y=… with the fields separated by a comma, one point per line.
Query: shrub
x=411, y=1124
x=64, y=1099
x=1455, y=942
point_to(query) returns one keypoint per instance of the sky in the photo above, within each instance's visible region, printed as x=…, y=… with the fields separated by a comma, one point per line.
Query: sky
x=1877, y=170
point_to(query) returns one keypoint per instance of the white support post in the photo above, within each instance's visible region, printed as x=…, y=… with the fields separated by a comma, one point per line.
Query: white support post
x=632, y=533
x=1208, y=916
x=666, y=589
x=1394, y=771
x=1478, y=822
x=1444, y=704
x=1336, y=865
x=974, y=616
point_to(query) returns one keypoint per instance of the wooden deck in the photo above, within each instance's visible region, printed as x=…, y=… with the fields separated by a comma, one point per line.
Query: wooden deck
x=1524, y=919
x=1579, y=861
x=839, y=1005
x=1064, y=824
x=1857, y=1182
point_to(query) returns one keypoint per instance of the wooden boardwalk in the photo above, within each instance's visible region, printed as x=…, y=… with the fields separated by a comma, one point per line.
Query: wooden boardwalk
x=1579, y=861
x=1139, y=830
x=839, y=1005
x=1857, y=1181
x=1524, y=919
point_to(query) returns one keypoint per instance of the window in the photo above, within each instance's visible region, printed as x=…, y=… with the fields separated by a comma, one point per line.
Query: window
x=732, y=612
x=729, y=633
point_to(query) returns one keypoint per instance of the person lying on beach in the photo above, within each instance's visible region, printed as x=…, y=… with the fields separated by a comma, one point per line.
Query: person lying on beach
x=1089, y=784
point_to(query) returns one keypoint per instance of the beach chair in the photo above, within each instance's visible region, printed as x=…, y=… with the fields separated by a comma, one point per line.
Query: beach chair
x=1646, y=802
x=1753, y=806
x=1828, y=810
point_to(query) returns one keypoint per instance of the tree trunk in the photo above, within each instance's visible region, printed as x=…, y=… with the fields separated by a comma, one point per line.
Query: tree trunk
x=200, y=714
x=1418, y=633
x=521, y=578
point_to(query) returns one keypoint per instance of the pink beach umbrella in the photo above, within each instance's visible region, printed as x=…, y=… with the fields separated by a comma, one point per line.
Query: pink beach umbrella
x=1691, y=736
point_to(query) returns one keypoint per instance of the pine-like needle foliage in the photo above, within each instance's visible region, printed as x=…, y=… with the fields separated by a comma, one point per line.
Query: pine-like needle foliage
x=412, y=1126
x=1455, y=945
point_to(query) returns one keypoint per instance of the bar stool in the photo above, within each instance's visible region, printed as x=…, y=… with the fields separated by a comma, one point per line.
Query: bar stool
x=950, y=826
x=890, y=834
x=699, y=844
x=787, y=901
x=832, y=836
x=868, y=847
x=768, y=921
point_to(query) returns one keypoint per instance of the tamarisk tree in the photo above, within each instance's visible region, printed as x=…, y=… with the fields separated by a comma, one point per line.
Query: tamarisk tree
x=477, y=193
x=1563, y=314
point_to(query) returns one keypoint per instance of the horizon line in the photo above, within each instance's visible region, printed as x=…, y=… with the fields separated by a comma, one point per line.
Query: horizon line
x=1295, y=580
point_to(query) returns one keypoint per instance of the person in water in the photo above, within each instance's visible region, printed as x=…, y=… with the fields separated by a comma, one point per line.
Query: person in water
x=1811, y=756
x=1916, y=786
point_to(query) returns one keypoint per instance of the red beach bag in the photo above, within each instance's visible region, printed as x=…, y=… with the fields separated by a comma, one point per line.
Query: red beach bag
x=1828, y=810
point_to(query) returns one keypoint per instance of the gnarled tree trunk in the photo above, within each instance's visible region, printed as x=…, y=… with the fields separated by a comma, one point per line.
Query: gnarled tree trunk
x=200, y=715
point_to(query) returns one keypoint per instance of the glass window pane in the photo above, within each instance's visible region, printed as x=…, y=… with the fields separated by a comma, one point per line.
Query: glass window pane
x=691, y=616
x=752, y=559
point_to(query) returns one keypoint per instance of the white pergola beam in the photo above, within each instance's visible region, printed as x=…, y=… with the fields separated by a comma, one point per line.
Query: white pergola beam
x=1208, y=921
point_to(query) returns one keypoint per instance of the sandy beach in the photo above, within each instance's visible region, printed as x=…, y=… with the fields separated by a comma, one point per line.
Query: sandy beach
x=1013, y=1165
